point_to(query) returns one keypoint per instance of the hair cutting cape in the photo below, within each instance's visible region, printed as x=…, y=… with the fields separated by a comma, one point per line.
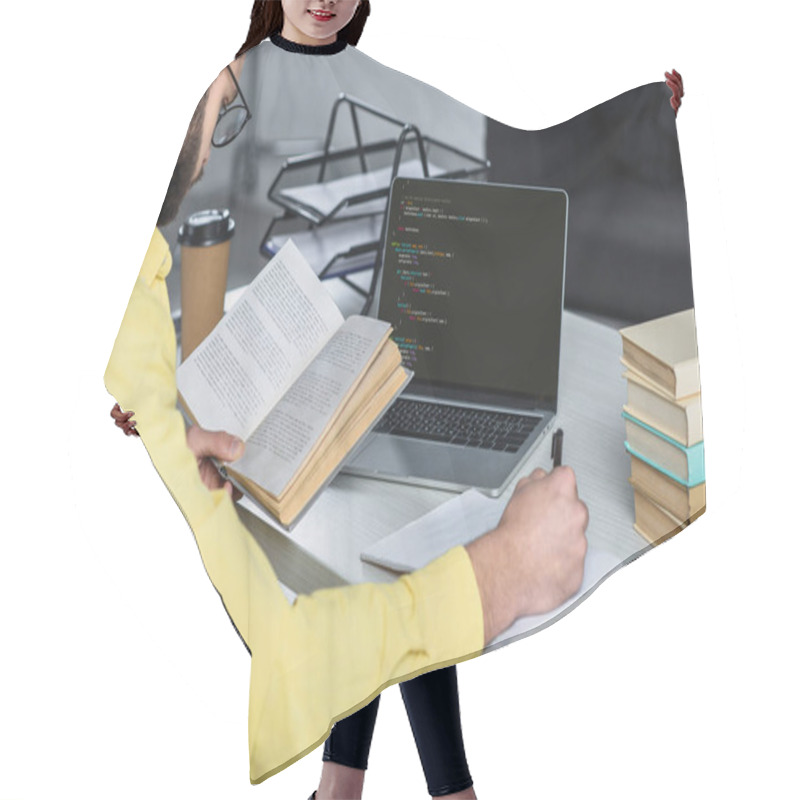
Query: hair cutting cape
x=321, y=649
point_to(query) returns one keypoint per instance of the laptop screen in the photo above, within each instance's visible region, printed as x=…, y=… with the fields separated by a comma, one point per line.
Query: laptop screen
x=473, y=282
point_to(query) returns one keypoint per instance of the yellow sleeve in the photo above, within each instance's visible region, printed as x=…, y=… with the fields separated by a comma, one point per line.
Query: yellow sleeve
x=331, y=652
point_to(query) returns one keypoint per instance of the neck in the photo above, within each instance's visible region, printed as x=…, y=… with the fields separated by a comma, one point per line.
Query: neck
x=309, y=49
x=293, y=34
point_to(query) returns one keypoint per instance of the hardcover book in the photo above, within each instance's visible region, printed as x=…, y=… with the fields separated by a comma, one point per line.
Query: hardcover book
x=286, y=373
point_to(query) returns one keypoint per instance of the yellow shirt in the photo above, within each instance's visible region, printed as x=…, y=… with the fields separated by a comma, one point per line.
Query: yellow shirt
x=331, y=652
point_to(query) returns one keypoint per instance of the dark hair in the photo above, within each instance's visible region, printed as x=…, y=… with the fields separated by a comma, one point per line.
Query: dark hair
x=266, y=19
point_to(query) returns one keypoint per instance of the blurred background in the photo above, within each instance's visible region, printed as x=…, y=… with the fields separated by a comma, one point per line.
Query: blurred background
x=628, y=249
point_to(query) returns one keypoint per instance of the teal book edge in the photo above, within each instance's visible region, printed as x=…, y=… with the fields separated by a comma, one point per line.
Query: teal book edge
x=695, y=455
x=696, y=481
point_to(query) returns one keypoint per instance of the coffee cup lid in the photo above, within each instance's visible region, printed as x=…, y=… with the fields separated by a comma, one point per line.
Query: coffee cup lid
x=206, y=228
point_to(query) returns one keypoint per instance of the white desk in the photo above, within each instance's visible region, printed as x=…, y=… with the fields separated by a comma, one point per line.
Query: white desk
x=325, y=547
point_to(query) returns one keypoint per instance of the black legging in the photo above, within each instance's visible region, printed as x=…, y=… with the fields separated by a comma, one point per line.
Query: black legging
x=432, y=706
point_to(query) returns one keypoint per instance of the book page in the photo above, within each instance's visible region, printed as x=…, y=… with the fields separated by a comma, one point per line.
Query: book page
x=280, y=445
x=260, y=347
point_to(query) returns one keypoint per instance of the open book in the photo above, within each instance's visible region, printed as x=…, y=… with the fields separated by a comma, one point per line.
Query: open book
x=286, y=373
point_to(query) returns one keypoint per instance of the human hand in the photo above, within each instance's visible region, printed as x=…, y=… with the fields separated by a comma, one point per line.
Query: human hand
x=545, y=523
x=124, y=420
x=220, y=445
x=533, y=561
x=675, y=83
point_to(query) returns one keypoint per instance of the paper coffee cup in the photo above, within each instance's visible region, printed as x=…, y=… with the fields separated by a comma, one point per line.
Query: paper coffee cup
x=205, y=240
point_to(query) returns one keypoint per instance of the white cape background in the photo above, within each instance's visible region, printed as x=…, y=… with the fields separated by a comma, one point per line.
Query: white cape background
x=120, y=675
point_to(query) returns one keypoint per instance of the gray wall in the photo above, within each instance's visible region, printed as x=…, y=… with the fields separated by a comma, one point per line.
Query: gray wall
x=628, y=240
x=628, y=246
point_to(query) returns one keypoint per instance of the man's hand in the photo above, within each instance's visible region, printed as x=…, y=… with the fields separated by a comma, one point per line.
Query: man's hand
x=124, y=420
x=675, y=83
x=533, y=561
x=213, y=444
x=204, y=444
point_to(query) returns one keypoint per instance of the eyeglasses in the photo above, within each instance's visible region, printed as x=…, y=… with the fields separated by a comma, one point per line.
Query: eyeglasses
x=231, y=119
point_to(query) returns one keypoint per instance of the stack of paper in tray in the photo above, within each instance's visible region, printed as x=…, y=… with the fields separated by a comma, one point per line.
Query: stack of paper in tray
x=664, y=424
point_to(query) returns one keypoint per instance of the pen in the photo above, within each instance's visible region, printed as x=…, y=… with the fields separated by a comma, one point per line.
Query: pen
x=555, y=447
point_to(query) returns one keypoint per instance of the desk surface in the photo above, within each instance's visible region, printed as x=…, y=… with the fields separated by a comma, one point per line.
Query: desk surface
x=325, y=547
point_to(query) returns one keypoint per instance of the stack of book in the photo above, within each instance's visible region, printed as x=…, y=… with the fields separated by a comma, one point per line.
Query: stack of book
x=664, y=424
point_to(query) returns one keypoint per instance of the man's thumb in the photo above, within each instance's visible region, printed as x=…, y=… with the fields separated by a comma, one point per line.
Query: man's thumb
x=227, y=447
x=215, y=444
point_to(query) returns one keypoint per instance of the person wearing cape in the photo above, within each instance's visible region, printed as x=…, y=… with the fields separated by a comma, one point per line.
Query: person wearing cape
x=300, y=59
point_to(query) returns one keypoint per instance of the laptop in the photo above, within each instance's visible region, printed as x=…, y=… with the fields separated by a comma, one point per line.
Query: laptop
x=472, y=282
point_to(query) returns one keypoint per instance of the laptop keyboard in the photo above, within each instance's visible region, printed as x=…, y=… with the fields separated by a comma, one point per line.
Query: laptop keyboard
x=469, y=427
